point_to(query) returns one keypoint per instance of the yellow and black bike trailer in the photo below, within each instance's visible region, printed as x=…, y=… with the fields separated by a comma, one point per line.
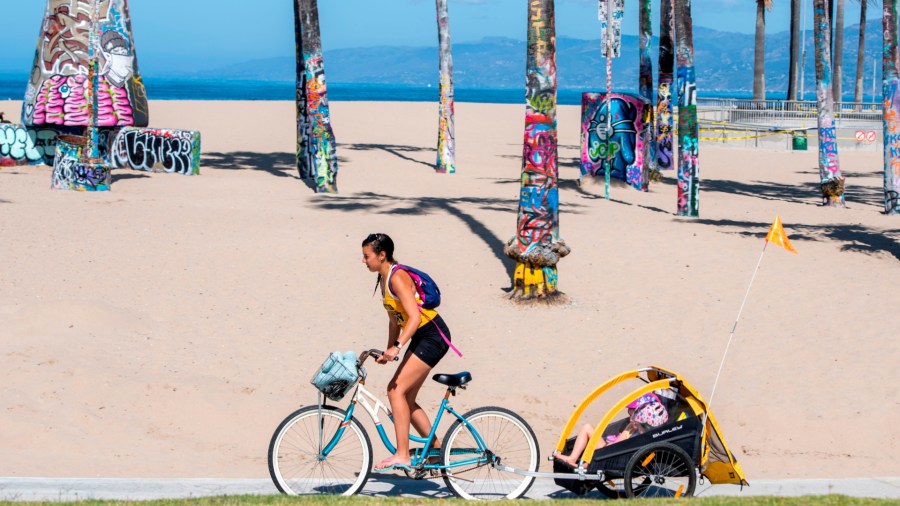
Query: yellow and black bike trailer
x=662, y=461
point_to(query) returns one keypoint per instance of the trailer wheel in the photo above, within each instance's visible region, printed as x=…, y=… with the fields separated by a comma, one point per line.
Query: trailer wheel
x=660, y=470
x=612, y=488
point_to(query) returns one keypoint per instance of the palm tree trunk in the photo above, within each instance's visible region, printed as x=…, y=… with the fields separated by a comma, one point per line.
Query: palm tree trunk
x=688, y=131
x=537, y=248
x=837, y=85
x=830, y=15
x=891, y=110
x=759, y=55
x=446, y=150
x=829, y=164
x=861, y=54
x=794, y=71
x=665, y=127
x=645, y=87
x=316, y=156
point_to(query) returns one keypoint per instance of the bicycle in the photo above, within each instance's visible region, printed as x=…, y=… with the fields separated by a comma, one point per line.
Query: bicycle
x=325, y=450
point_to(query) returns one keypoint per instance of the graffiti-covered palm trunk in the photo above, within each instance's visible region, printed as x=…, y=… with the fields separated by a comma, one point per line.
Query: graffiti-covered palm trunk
x=829, y=167
x=316, y=156
x=446, y=149
x=93, y=98
x=645, y=85
x=536, y=248
x=891, y=110
x=664, y=123
x=688, y=131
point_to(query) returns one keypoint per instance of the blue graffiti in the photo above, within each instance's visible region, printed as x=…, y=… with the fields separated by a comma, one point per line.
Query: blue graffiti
x=623, y=135
x=533, y=197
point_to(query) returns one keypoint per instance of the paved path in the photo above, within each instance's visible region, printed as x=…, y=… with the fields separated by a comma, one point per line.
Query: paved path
x=72, y=489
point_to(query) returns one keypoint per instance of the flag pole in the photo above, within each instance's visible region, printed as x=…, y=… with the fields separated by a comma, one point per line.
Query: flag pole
x=730, y=338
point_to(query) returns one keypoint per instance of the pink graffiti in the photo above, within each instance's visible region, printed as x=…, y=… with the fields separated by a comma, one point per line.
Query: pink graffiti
x=540, y=144
x=62, y=100
x=114, y=107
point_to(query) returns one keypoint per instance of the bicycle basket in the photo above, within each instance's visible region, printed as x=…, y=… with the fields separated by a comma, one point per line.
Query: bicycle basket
x=337, y=375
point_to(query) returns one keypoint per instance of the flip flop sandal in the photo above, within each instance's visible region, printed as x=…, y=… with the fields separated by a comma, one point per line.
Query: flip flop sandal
x=391, y=467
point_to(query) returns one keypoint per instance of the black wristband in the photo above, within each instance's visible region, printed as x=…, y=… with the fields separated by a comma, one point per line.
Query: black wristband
x=398, y=345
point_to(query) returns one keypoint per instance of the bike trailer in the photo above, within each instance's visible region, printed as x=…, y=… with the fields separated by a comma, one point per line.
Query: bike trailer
x=677, y=437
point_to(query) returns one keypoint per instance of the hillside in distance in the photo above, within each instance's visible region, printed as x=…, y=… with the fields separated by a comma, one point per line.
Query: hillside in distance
x=723, y=61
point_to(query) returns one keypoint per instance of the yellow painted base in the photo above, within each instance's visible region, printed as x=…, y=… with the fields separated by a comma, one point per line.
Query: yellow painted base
x=530, y=281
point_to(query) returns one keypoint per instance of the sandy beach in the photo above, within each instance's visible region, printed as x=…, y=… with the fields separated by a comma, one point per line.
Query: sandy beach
x=165, y=328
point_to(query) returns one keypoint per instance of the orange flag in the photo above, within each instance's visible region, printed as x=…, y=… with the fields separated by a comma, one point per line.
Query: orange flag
x=777, y=236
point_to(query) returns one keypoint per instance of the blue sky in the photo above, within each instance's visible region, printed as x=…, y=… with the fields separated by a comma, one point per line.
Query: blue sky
x=202, y=34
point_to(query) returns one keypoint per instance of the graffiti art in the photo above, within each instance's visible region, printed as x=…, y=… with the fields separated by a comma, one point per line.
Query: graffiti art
x=316, y=155
x=71, y=172
x=58, y=91
x=536, y=247
x=155, y=150
x=621, y=148
x=688, y=128
x=446, y=149
x=832, y=183
x=665, y=125
x=891, y=110
x=611, y=13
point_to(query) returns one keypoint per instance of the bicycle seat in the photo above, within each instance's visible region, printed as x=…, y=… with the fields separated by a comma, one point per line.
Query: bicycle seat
x=453, y=380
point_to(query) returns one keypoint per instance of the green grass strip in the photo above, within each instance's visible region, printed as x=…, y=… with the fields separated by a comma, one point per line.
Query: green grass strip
x=278, y=500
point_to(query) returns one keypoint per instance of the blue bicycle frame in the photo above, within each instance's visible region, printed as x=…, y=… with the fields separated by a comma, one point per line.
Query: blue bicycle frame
x=372, y=405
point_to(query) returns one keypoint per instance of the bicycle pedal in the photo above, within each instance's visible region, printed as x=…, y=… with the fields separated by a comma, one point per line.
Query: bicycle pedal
x=428, y=474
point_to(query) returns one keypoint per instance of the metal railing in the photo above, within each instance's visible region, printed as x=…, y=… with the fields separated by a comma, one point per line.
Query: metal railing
x=784, y=114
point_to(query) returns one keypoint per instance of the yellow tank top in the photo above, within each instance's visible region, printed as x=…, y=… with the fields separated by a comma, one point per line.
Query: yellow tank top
x=395, y=308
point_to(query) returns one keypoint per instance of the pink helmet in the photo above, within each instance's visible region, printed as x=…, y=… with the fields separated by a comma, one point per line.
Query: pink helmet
x=648, y=409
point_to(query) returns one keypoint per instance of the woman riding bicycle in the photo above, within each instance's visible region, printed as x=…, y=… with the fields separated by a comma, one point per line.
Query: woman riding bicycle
x=406, y=325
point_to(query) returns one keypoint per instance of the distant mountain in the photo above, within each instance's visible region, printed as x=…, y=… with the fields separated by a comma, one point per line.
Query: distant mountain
x=723, y=60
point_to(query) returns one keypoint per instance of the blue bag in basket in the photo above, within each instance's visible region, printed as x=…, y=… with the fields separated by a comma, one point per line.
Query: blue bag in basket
x=337, y=375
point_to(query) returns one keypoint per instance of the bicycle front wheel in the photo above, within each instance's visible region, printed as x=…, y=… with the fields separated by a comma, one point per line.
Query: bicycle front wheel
x=489, y=435
x=296, y=460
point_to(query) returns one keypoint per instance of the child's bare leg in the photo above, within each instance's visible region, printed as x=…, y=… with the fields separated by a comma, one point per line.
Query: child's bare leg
x=581, y=441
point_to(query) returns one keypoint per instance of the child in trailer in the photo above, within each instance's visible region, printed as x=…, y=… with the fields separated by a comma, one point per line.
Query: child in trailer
x=644, y=412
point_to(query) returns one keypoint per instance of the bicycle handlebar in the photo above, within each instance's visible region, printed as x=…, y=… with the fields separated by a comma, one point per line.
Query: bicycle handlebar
x=372, y=353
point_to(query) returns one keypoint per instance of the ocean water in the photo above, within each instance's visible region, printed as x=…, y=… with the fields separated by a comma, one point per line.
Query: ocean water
x=208, y=89
x=13, y=88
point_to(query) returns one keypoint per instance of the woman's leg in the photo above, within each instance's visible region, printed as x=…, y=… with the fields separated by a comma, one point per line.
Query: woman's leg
x=419, y=418
x=402, y=390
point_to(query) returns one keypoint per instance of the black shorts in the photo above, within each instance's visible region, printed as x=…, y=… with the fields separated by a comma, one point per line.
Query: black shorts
x=427, y=343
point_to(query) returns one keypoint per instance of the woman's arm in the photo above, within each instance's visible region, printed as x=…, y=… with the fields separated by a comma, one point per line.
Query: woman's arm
x=390, y=351
x=393, y=331
x=403, y=287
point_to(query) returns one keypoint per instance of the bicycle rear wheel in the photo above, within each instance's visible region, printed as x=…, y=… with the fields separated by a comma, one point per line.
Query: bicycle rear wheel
x=507, y=439
x=295, y=462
